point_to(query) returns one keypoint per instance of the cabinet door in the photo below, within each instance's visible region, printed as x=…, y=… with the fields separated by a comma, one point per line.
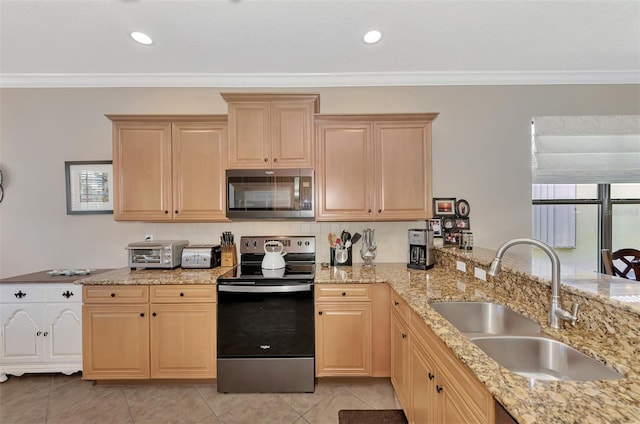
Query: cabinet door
x=344, y=172
x=21, y=333
x=115, y=341
x=403, y=166
x=292, y=134
x=63, y=334
x=400, y=361
x=199, y=163
x=142, y=171
x=249, y=133
x=183, y=341
x=343, y=339
x=423, y=387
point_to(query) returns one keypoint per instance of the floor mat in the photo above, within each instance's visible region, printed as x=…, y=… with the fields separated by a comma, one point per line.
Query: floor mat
x=371, y=416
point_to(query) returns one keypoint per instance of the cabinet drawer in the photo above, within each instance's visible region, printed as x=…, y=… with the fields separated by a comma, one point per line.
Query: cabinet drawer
x=400, y=306
x=21, y=293
x=63, y=293
x=183, y=293
x=115, y=294
x=346, y=292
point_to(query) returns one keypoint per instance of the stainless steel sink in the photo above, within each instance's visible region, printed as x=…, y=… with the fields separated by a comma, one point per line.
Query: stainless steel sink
x=477, y=318
x=542, y=358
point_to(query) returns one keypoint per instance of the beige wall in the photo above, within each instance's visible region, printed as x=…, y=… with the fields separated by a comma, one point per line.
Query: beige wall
x=481, y=151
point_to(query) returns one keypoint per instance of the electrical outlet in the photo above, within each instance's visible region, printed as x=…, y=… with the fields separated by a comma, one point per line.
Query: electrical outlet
x=461, y=266
x=480, y=274
x=148, y=237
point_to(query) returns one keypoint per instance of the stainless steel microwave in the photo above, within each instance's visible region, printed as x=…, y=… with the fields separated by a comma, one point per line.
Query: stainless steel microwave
x=270, y=193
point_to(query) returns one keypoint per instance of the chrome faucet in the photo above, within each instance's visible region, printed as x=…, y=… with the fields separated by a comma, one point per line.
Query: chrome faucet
x=556, y=313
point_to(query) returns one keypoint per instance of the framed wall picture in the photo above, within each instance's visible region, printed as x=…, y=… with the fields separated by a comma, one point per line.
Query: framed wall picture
x=462, y=208
x=451, y=238
x=444, y=207
x=89, y=187
x=435, y=224
x=462, y=224
x=448, y=224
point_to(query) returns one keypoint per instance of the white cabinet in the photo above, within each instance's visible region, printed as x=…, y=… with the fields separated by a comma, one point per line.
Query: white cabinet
x=40, y=328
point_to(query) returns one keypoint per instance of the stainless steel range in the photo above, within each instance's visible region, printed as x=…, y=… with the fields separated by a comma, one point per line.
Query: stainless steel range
x=266, y=337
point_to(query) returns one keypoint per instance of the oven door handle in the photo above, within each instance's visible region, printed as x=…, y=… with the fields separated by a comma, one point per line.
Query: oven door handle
x=265, y=289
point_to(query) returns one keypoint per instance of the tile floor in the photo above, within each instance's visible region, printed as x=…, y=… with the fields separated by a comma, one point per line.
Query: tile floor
x=60, y=399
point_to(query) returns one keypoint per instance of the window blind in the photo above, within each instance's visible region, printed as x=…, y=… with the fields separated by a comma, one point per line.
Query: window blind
x=586, y=149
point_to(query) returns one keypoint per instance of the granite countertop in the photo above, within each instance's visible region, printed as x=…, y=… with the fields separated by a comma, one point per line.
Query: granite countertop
x=612, y=340
x=529, y=401
x=155, y=276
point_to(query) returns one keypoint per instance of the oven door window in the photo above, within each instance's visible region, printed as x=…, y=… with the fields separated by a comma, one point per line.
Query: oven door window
x=265, y=324
x=146, y=256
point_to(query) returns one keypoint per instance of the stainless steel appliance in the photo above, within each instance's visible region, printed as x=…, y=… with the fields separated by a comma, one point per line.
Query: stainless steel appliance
x=156, y=254
x=201, y=256
x=266, y=336
x=270, y=193
x=421, y=250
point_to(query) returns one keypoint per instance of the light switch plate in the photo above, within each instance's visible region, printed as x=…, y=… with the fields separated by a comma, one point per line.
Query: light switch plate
x=480, y=273
x=461, y=266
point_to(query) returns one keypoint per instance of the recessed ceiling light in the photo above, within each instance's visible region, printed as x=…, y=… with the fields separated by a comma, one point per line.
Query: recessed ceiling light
x=372, y=37
x=141, y=38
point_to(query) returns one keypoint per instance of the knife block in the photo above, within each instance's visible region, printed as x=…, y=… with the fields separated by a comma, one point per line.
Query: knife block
x=229, y=257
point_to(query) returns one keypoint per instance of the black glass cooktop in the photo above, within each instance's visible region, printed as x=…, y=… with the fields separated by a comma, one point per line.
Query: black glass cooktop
x=254, y=272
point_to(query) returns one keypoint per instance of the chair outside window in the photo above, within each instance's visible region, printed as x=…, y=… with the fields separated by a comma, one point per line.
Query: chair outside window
x=623, y=263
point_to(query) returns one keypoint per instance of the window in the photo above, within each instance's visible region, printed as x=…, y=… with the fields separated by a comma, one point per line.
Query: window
x=586, y=186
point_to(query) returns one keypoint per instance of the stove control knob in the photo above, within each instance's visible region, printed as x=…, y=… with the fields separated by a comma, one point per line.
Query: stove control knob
x=299, y=243
x=255, y=243
x=246, y=243
x=306, y=243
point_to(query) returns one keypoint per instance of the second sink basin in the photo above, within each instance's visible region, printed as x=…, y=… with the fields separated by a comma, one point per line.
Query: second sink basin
x=476, y=318
x=542, y=358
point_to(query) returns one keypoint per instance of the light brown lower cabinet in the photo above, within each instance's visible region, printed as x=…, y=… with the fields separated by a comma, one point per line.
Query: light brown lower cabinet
x=442, y=389
x=347, y=344
x=400, y=361
x=142, y=332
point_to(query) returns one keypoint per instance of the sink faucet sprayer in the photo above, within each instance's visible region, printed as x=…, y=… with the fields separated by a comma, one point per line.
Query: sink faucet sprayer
x=556, y=313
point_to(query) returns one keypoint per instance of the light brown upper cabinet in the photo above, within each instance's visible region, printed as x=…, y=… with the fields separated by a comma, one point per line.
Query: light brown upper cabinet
x=373, y=167
x=271, y=130
x=169, y=168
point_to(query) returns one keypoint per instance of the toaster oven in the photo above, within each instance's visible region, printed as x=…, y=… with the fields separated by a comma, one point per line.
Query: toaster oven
x=156, y=254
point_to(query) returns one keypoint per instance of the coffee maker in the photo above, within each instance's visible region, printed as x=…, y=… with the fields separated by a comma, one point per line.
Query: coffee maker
x=421, y=250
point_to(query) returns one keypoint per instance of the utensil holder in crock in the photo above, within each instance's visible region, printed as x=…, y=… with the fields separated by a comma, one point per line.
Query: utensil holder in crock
x=334, y=261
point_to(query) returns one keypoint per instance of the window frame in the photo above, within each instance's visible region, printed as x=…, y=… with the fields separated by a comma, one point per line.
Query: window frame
x=605, y=213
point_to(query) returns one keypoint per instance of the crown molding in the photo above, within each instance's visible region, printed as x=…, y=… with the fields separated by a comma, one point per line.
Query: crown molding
x=354, y=79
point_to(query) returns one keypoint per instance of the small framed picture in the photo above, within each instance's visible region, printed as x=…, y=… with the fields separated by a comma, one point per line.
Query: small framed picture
x=89, y=187
x=435, y=224
x=444, y=207
x=451, y=238
x=462, y=223
x=448, y=224
x=462, y=208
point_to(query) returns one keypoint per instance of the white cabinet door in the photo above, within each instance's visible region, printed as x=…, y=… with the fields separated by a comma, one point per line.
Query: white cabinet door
x=21, y=333
x=63, y=333
x=40, y=328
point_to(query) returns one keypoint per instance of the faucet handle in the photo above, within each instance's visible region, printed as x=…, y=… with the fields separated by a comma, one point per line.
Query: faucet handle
x=574, y=313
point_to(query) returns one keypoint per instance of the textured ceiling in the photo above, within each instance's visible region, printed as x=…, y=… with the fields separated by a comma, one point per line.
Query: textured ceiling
x=318, y=43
